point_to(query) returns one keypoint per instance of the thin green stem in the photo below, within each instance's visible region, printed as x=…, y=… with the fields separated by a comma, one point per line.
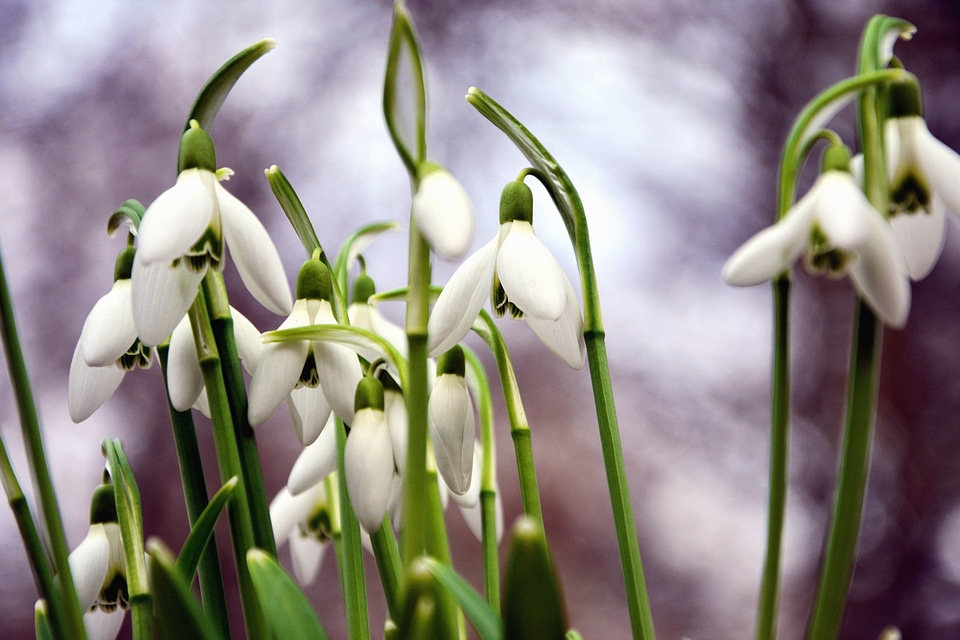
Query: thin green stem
x=209, y=575
x=779, y=447
x=67, y=612
x=389, y=566
x=229, y=461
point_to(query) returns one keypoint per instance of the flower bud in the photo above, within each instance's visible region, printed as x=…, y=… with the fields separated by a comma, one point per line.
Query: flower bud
x=452, y=422
x=516, y=202
x=313, y=281
x=196, y=149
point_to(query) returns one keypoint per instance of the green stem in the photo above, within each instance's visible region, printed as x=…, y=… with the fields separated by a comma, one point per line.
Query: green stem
x=209, y=575
x=222, y=323
x=389, y=566
x=351, y=552
x=228, y=458
x=779, y=446
x=66, y=612
x=852, y=482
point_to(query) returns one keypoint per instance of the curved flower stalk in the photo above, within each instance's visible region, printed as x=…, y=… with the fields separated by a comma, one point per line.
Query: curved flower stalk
x=368, y=457
x=838, y=231
x=303, y=519
x=183, y=233
x=924, y=180
x=442, y=211
x=522, y=276
x=108, y=346
x=316, y=376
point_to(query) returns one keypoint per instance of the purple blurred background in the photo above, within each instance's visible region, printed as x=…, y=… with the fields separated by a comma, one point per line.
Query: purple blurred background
x=669, y=117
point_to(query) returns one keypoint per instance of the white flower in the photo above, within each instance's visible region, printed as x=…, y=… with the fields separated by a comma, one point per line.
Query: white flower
x=469, y=502
x=442, y=212
x=304, y=521
x=452, y=422
x=317, y=460
x=524, y=278
x=108, y=347
x=924, y=182
x=368, y=466
x=839, y=231
x=183, y=233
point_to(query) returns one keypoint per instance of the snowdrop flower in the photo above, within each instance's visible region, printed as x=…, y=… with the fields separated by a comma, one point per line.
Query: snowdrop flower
x=99, y=569
x=442, y=211
x=183, y=233
x=838, y=231
x=317, y=460
x=317, y=377
x=469, y=502
x=924, y=180
x=522, y=276
x=108, y=346
x=452, y=422
x=368, y=457
x=304, y=521
x=366, y=316
x=184, y=377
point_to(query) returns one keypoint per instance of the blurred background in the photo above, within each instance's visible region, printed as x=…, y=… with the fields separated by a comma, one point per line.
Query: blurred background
x=669, y=117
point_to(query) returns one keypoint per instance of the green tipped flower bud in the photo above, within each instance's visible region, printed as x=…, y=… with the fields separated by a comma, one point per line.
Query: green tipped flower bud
x=363, y=288
x=424, y=616
x=516, y=203
x=533, y=606
x=369, y=395
x=313, y=282
x=103, y=506
x=123, y=268
x=196, y=149
x=836, y=158
x=452, y=362
x=903, y=99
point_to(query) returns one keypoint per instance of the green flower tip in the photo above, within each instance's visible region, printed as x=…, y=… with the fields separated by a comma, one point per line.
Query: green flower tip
x=313, y=281
x=196, y=149
x=836, y=158
x=124, y=264
x=452, y=362
x=103, y=505
x=903, y=99
x=363, y=288
x=516, y=203
x=369, y=395
x=427, y=167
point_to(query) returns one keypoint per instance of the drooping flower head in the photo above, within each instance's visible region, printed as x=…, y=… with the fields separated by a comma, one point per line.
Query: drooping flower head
x=183, y=233
x=108, y=346
x=521, y=276
x=303, y=520
x=452, y=422
x=837, y=231
x=317, y=377
x=442, y=211
x=368, y=456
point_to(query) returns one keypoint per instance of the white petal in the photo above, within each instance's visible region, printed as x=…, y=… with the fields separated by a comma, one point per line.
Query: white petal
x=339, y=371
x=103, y=625
x=249, y=344
x=108, y=331
x=174, y=222
x=530, y=275
x=278, y=369
x=309, y=412
x=161, y=296
x=184, y=378
x=89, y=387
x=442, y=211
x=88, y=565
x=452, y=429
x=941, y=164
x=461, y=300
x=367, y=316
x=840, y=210
x=920, y=236
x=473, y=516
x=563, y=336
x=255, y=254
x=395, y=409
x=368, y=465
x=286, y=511
x=306, y=552
x=315, y=462
x=880, y=275
x=471, y=497
x=773, y=250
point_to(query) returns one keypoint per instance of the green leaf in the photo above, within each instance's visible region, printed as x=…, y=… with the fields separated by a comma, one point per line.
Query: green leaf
x=533, y=606
x=215, y=91
x=287, y=611
x=130, y=212
x=293, y=208
x=404, y=92
x=484, y=620
x=199, y=536
x=129, y=517
x=423, y=617
x=41, y=622
x=177, y=610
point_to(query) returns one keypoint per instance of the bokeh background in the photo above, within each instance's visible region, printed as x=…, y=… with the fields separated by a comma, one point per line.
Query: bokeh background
x=668, y=116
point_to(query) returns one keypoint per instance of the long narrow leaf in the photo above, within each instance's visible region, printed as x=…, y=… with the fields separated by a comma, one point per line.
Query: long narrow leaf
x=288, y=612
x=215, y=91
x=178, y=611
x=478, y=612
x=294, y=209
x=202, y=531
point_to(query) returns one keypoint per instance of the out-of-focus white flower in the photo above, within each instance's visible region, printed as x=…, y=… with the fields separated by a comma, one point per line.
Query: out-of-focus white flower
x=368, y=457
x=442, y=212
x=108, y=346
x=366, y=316
x=304, y=521
x=183, y=233
x=452, y=422
x=469, y=502
x=522, y=276
x=838, y=231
